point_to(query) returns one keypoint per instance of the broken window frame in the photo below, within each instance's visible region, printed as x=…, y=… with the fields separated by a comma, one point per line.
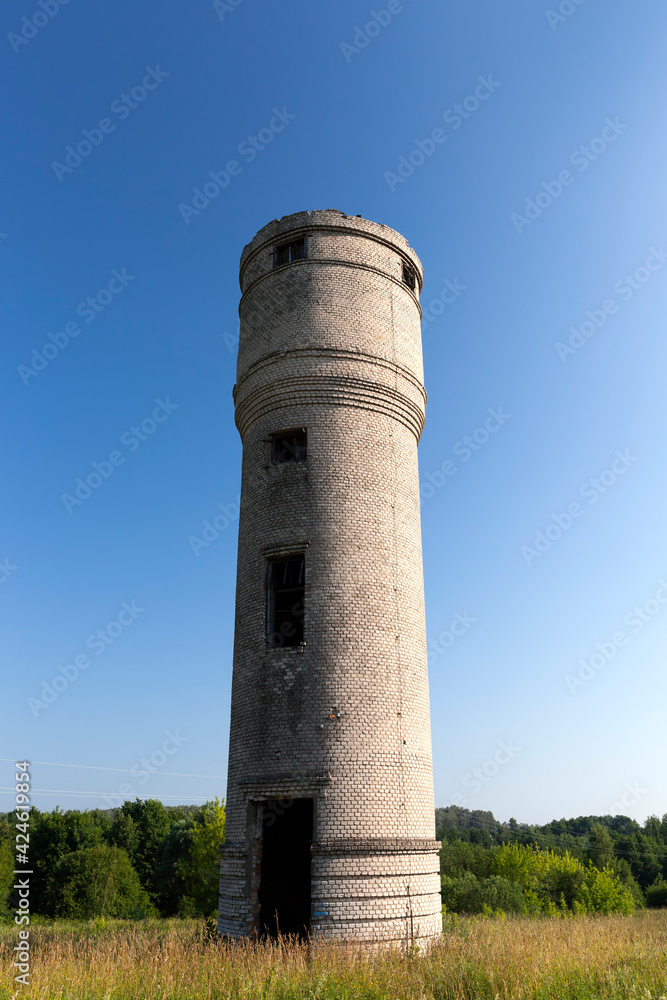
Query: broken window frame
x=285, y=624
x=287, y=253
x=409, y=276
x=289, y=447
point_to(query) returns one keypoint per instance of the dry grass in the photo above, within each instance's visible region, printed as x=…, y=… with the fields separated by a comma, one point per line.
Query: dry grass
x=545, y=959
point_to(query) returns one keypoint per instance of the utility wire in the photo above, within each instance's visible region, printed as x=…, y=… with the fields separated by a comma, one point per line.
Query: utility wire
x=125, y=770
x=68, y=791
x=492, y=825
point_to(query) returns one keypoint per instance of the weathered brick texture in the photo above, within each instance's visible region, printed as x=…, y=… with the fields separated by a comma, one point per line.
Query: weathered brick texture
x=332, y=343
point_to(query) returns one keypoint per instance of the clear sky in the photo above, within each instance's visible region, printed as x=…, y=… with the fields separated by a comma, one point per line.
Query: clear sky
x=543, y=207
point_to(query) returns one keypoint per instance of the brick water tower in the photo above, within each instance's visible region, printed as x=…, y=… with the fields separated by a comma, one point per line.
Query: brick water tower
x=330, y=818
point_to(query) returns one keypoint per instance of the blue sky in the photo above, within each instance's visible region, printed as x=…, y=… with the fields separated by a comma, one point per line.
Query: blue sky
x=536, y=234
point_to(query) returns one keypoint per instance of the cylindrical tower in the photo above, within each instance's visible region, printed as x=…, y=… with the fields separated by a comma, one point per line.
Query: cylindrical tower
x=330, y=818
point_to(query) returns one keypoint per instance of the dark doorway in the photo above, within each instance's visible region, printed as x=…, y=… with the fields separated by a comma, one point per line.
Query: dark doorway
x=284, y=890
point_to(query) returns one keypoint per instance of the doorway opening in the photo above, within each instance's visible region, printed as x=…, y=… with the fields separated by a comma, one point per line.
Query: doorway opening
x=284, y=888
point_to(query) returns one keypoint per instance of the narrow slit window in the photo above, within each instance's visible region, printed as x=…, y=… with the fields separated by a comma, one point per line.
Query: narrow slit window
x=288, y=446
x=285, y=593
x=287, y=252
x=409, y=276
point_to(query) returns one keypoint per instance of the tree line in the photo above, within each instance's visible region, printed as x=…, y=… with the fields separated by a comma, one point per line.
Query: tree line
x=588, y=864
x=142, y=859
x=147, y=859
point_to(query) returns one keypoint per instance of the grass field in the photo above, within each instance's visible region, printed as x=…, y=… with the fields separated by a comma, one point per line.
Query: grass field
x=558, y=959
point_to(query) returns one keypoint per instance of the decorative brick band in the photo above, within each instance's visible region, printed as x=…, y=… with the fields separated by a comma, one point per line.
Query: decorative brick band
x=265, y=387
x=234, y=849
x=304, y=391
x=371, y=231
x=349, y=845
x=334, y=354
x=283, y=779
x=376, y=845
x=336, y=262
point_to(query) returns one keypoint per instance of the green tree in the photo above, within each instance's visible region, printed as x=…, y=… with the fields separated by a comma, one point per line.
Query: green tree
x=469, y=894
x=652, y=828
x=561, y=880
x=603, y=893
x=54, y=834
x=139, y=829
x=558, y=882
x=643, y=855
x=663, y=829
x=173, y=872
x=95, y=882
x=656, y=894
x=203, y=870
x=460, y=856
x=6, y=864
x=601, y=846
x=623, y=872
x=48, y=843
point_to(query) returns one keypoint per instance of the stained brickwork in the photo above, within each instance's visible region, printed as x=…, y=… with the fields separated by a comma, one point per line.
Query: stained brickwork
x=332, y=343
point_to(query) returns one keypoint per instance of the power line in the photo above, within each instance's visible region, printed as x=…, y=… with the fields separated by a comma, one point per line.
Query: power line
x=68, y=791
x=125, y=770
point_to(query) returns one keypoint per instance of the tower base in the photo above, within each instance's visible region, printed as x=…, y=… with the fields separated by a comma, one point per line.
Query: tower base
x=374, y=891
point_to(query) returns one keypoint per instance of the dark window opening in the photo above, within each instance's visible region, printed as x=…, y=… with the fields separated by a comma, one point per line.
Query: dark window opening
x=284, y=888
x=285, y=592
x=409, y=276
x=287, y=252
x=288, y=446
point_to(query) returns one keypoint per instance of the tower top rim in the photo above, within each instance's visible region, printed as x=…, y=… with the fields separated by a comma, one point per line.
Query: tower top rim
x=329, y=218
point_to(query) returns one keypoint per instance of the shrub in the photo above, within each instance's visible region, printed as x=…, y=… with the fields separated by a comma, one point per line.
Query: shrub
x=656, y=894
x=95, y=882
x=6, y=871
x=557, y=883
x=468, y=894
x=460, y=856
